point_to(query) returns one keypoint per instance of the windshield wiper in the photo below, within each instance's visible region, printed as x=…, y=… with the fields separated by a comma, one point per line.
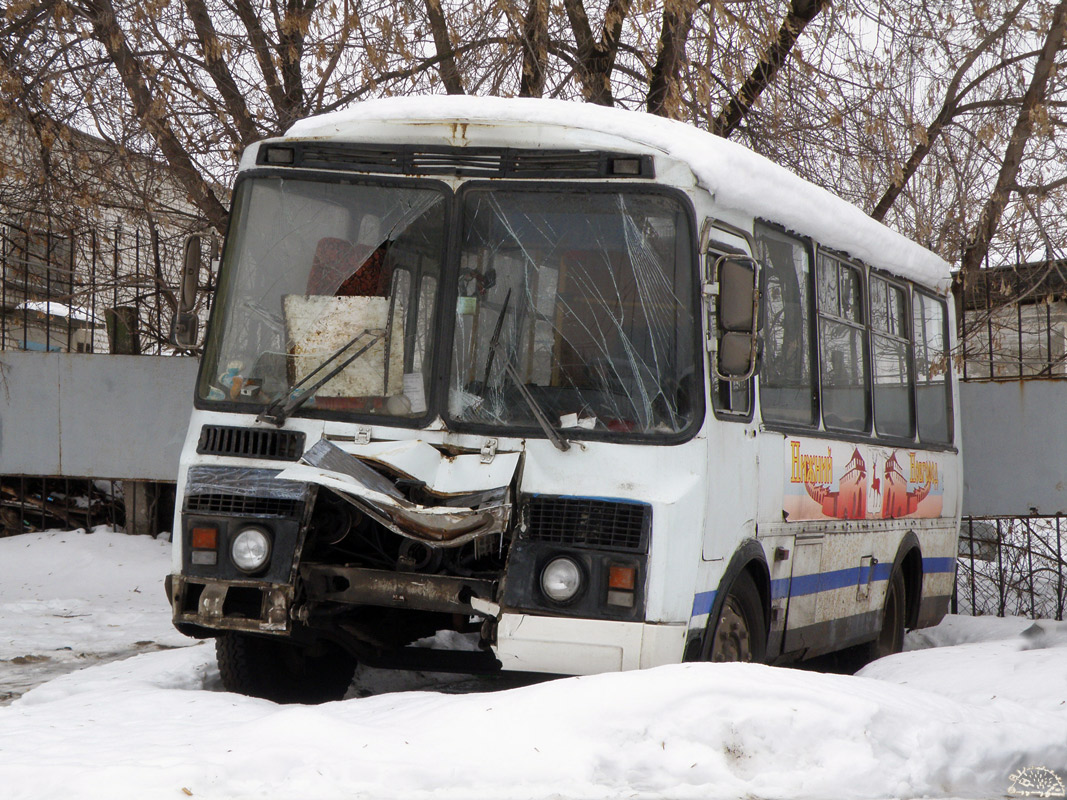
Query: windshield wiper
x=535, y=408
x=553, y=435
x=276, y=413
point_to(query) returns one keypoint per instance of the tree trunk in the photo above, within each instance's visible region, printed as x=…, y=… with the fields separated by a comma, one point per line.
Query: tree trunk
x=534, y=49
x=596, y=59
x=801, y=12
x=674, y=31
x=443, y=42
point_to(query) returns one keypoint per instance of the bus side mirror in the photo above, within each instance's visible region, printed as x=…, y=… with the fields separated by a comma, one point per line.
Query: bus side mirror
x=736, y=355
x=185, y=327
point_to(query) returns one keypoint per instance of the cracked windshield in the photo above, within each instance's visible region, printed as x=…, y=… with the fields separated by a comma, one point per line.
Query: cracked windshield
x=327, y=298
x=576, y=309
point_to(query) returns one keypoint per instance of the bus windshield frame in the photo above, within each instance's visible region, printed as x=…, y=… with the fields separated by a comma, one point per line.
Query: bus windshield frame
x=317, y=263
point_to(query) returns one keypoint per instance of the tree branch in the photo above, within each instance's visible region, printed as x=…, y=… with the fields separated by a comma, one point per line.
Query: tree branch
x=261, y=47
x=106, y=30
x=975, y=249
x=443, y=42
x=949, y=109
x=215, y=65
x=801, y=12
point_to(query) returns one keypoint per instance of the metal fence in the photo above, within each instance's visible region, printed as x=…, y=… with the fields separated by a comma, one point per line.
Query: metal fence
x=35, y=504
x=1012, y=567
x=108, y=289
x=1014, y=322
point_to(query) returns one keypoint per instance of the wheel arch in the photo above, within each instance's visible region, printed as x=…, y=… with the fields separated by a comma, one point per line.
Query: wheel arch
x=749, y=557
x=909, y=561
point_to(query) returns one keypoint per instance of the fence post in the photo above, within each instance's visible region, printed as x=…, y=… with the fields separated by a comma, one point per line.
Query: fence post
x=1000, y=574
x=1059, y=572
x=974, y=601
x=1030, y=568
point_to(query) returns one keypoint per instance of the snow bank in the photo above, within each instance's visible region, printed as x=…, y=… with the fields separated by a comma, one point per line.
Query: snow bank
x=984, y=699
x=145, y=727
x=68, y=599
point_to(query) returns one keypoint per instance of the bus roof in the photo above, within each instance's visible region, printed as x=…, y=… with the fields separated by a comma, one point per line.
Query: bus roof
x=736, y=177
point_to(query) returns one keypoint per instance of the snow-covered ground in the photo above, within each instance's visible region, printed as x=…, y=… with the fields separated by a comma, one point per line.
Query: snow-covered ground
x=974, y=709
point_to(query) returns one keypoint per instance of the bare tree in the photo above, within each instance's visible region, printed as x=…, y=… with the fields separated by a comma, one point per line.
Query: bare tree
x=977, y=245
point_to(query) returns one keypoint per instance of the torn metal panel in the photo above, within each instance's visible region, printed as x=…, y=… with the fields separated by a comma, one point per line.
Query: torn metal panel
x=448, y=522
x=444, y=475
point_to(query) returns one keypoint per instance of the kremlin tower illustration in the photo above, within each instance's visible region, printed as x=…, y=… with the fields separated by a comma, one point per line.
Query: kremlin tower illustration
x=850, y=499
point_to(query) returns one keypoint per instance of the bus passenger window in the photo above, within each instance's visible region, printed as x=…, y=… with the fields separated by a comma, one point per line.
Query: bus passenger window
x=842, y=346
x=933, y=391
x=893, y=409
x=787, y=387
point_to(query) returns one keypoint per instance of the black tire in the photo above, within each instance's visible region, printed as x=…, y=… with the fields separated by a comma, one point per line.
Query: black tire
x=891, y=633
x=740, y=629
x=278, y=670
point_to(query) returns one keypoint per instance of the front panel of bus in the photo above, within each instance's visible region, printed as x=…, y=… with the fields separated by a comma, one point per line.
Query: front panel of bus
x=462, y=402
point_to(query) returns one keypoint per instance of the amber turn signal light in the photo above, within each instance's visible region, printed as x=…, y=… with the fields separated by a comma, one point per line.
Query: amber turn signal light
x=620, y=577
x=205, y=538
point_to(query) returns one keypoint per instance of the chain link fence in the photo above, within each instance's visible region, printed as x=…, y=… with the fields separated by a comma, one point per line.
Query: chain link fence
x=1012, y=567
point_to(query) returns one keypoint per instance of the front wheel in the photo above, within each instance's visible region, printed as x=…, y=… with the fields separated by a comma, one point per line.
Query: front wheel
x=281, y=671
x=740, y=632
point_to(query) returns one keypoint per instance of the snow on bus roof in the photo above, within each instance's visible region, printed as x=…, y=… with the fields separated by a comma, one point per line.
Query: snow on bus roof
x=737, y=178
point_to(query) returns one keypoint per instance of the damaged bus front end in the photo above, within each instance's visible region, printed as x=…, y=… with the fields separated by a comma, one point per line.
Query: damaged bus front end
x=426, y=383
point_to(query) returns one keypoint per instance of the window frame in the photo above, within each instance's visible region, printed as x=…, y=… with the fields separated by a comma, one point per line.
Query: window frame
x=908, y=288
x=220, y=300
x=949, y=398
x=713, y=250
x=809, y=246
x=448, y=292
x=864, y=326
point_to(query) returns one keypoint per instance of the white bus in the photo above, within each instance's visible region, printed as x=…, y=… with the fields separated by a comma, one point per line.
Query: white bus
x=540, y=386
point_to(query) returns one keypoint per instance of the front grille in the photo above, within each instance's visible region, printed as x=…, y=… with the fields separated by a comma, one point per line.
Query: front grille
x=484, y=162
x=584, y=522
x=222, y=440
x=242, y=505
x=367, y=159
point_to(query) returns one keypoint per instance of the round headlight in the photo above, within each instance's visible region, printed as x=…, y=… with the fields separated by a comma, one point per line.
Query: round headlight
x=561, y=579
x=250, y=549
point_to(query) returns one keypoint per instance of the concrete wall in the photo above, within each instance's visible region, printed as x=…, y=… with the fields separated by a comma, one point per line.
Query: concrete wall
x=1014, y=448
x=93, y=416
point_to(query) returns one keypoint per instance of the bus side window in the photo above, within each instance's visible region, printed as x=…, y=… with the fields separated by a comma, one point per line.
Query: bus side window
x=894, y=413
x=845, y=394
x=787, y=385
x=933, y=391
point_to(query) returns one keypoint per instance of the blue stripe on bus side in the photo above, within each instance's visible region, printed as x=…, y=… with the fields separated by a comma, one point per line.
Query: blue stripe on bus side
x=702, y=603
x=826, y=581
x=939, y=565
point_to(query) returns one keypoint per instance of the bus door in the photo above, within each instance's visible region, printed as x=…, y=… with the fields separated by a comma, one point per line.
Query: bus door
x=732, y=487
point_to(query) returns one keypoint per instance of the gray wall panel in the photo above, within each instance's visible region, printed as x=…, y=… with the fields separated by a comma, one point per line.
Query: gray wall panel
x=98, y=416
x=29, y=414
x=1014, y=448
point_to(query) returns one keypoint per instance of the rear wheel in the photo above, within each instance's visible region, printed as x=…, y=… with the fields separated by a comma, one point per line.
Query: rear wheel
x=740, y=632
x=282, y=671
x=891, y=635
